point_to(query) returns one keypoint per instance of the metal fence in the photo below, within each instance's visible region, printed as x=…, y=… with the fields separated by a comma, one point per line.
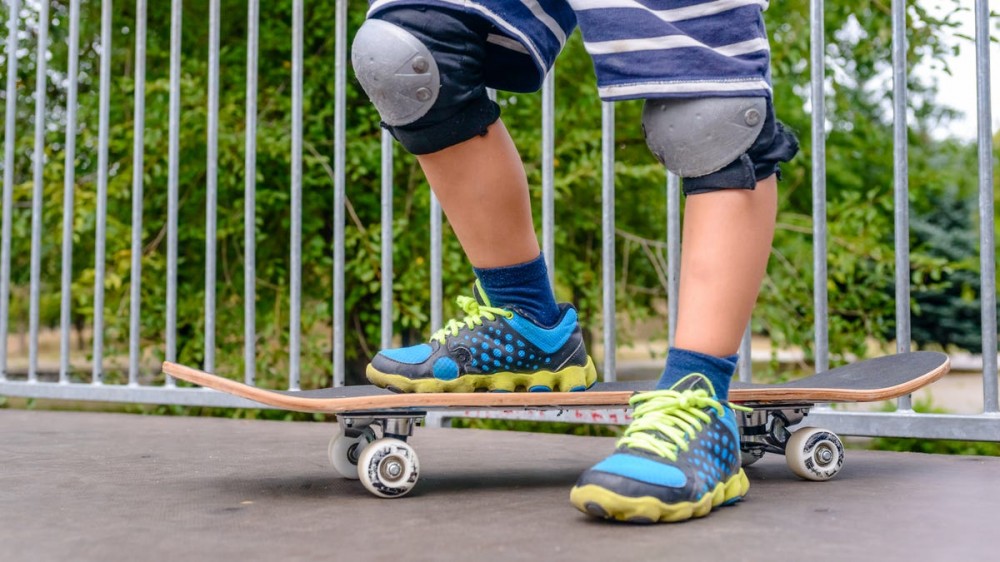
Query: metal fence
x=905, y=422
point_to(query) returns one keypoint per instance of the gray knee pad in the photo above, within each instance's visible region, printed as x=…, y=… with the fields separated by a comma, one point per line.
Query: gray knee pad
x=695, y=137
x=396, y=70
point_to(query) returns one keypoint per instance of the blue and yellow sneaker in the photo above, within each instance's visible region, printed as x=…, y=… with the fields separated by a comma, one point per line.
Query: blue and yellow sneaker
x=678, y=459
x=491, y=349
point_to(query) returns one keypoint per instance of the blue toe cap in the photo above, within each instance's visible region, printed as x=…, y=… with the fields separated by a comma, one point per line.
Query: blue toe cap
x=643, y=470
x=412, y=355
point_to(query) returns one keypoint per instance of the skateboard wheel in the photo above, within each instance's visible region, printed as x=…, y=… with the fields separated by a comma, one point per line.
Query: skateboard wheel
x=388, y=468
x=344, y=452
x=814, y=454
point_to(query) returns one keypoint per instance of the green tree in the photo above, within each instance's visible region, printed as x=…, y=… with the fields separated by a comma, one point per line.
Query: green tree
x=950, y=315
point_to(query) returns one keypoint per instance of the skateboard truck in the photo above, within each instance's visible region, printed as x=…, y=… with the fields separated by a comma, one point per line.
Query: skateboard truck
x=387, y=466
x=372, y=447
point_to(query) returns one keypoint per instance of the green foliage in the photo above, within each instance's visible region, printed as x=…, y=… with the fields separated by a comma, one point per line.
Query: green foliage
x=859, y=176
x=859, y=179
x=937, y=446
x=951, y=314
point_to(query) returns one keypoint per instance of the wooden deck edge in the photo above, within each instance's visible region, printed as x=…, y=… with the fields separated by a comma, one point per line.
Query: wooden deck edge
x=548, y=400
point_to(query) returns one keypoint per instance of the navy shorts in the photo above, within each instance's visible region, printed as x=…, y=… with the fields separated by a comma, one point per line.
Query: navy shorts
x=462, y=44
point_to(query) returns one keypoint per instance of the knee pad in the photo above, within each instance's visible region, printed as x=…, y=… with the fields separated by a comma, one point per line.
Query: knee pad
x=718, y=143
x=695, y=137
x=396, y=70
x=424, y=71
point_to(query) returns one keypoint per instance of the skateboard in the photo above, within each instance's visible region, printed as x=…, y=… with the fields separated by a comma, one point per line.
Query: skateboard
x=375, y=423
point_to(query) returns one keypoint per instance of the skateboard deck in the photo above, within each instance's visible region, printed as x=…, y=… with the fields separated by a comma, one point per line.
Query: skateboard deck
x=872, y=380
x=375, y=423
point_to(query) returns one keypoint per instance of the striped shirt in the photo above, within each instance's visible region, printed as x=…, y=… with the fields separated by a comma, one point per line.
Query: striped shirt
x=640, y=48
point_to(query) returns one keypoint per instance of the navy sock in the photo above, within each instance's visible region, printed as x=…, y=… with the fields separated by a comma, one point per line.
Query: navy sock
x=524, y=287
x=682, y=362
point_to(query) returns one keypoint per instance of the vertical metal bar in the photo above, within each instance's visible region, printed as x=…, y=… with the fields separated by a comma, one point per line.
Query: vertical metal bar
x=212, y=183
x=250, y=199
x=673, y=253
x=818, y=64
x=745, y=365
x=987, y=243
x=548, y=174
x=97, y=375
x=10, y=118
x=69, y=188
x=901, y=172
x=138, y=149
x=339, y=190
x=173, y=179
x=295, y=316
x=41, y=71
x=437, y=300
x=387, y=238
x=608, y=235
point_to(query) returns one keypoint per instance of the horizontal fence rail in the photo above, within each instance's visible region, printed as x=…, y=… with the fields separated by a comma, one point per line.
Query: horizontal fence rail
x=136, y=389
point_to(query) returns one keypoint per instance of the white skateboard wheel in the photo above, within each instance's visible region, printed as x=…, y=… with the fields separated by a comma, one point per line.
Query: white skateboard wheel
x=345, y=451
x=388, y=468
x=814, y=454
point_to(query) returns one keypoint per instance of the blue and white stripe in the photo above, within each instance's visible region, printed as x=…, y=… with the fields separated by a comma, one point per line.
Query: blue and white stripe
x=676, y=48
x=640, y=48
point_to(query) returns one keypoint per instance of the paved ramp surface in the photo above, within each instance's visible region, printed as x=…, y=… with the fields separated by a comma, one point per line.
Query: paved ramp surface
x=84, y=486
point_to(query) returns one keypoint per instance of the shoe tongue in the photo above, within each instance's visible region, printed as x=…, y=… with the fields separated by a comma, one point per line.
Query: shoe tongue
x=694, y=381
x=480, y=294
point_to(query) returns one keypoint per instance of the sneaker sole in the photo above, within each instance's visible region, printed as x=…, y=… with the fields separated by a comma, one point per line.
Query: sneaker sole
x=605, y=504
x=570, y=379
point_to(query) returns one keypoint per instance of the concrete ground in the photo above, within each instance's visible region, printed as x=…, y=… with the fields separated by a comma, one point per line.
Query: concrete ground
x=91, y=486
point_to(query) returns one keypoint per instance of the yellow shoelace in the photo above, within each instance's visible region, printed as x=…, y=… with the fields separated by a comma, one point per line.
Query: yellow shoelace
x=665, y=421
x=474, y=314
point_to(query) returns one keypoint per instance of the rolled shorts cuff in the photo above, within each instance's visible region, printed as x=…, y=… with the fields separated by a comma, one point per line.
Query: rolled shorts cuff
x=774, y=145
x=471, y=121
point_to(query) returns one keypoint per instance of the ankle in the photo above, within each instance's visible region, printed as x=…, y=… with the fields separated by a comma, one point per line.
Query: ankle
x=524, y=287
x=682, y=362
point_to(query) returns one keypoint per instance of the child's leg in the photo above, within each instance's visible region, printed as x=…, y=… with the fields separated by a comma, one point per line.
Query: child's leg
x=482, y=182
x=483, y=190
x=680, y=457
x=424, y=70
x=724, y=253
x=725, y=248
